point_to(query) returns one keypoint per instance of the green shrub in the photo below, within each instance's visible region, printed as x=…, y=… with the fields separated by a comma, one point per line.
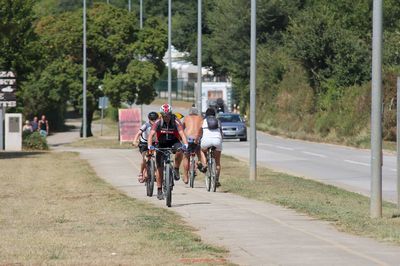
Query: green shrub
x=34, y=141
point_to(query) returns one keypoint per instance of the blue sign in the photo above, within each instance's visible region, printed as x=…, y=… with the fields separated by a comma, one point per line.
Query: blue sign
x=103, y=102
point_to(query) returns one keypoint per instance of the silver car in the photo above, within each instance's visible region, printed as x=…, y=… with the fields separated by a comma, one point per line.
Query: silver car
x=233, y=126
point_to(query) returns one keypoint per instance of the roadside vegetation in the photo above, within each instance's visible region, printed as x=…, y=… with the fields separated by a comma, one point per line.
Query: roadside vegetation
x=348, y=211
x=57, y=211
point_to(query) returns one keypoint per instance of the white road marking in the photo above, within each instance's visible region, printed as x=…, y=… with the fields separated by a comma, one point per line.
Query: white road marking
x=266, y=144
x=358, y=163
x=285, y=148
x=276, y=146
x=393, y=170
x=314, y=154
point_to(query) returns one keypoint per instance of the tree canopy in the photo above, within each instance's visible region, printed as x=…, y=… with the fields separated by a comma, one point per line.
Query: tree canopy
x=123, y=62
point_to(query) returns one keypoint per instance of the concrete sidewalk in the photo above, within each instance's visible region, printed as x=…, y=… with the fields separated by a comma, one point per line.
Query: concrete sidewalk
x=256, y=233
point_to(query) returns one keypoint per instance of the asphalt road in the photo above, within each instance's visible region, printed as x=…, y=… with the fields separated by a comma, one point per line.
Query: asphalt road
x=344, y=167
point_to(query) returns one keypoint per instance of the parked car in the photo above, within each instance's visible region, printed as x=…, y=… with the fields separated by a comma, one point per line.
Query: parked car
x=233, y=126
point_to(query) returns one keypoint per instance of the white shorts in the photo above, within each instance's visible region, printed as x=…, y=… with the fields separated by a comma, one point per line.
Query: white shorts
x=208, y=142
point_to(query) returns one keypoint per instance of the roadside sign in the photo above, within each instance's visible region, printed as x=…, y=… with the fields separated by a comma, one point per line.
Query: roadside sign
x=7, y=74
x=7, y=82
x=8, y=104
x=8, y=87
x=129, y=123
x=103, y=102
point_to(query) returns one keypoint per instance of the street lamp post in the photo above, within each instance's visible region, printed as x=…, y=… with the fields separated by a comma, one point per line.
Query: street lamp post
x=199, y=55
x=84, y=126
x=169, y=52
x=376, y=113
x=398, y=142
x=253, y=132
x=141, y=14
x=141, y=27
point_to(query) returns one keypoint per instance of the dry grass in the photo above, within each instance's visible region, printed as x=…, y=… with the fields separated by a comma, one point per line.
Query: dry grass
x=348, y=211
x=109, y=138
x=55, y=210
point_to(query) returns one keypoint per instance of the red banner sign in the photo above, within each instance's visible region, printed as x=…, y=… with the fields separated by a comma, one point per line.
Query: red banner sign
x=129, y=123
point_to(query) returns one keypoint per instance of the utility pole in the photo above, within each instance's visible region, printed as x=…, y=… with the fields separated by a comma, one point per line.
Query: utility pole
x=169, y=52
x=129, y=6
x=253, y=131
x=141, y=27
x=199, y=55
x=376, y=113
x=398, y=142
x=84, y=126
x=141, y=14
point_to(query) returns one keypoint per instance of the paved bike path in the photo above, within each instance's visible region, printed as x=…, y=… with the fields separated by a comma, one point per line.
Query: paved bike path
x=255, y=233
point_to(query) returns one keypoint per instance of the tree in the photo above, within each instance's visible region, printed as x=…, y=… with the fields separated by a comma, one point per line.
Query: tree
x=328, y=51
x=118, y=54
x=17, y=49
x=47, y=93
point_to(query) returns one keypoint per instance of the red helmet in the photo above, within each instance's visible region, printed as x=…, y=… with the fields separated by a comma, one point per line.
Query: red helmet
x=166, y=109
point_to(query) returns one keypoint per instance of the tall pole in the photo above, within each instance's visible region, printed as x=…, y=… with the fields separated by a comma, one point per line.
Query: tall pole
x=253, y=132
x=376, y=113
x=169, y=52
x=141, y=14
x=199, y=55
x=2, y=112
x=108, y=1
x=129, y=6
x=84, y=129
x=398, y=142
x=141, y=27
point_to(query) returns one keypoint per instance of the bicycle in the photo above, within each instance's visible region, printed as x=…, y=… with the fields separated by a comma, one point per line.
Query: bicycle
x=168, y=173
x=150, y=173
x=192, y=164
x=211, y=174
x=192, y=169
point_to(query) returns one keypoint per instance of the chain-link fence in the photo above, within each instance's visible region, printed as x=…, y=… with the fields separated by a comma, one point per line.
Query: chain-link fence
x=180, y=90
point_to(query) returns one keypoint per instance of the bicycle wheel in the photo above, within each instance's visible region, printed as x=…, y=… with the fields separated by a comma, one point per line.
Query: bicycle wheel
x=213, y=175
x=208, y=176
x=192, y=171
x=168, y=185
x=151, y=177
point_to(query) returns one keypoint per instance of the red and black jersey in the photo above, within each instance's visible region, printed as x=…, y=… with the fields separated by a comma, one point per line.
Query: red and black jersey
x=167, y=132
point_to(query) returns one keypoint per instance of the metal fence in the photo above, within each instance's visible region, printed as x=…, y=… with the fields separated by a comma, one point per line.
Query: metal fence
x=180, y=90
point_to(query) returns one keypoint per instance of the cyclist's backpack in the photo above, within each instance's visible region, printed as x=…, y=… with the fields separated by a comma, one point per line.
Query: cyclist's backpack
x=212, y=122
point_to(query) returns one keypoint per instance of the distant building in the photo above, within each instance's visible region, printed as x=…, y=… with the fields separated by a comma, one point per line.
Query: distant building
x=186, y=71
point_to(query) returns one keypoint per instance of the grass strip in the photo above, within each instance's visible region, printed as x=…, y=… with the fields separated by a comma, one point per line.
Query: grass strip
x=55, y=210
x=108, y=140
x=348, y=211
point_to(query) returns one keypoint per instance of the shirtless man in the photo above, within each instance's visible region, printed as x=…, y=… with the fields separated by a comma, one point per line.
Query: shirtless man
x=192, y=128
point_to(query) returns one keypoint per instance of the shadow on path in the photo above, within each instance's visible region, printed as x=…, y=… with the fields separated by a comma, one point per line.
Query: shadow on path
x=191, y=203
x=21, y=154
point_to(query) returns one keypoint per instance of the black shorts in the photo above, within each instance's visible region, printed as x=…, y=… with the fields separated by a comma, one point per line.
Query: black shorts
x=142, y=147
x=192, y=148
x=168, y=144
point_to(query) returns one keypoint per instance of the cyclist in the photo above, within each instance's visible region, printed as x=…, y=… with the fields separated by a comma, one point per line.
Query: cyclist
x=140, y=140
x=169, y=132
x=192, y=126
x=212, y=136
